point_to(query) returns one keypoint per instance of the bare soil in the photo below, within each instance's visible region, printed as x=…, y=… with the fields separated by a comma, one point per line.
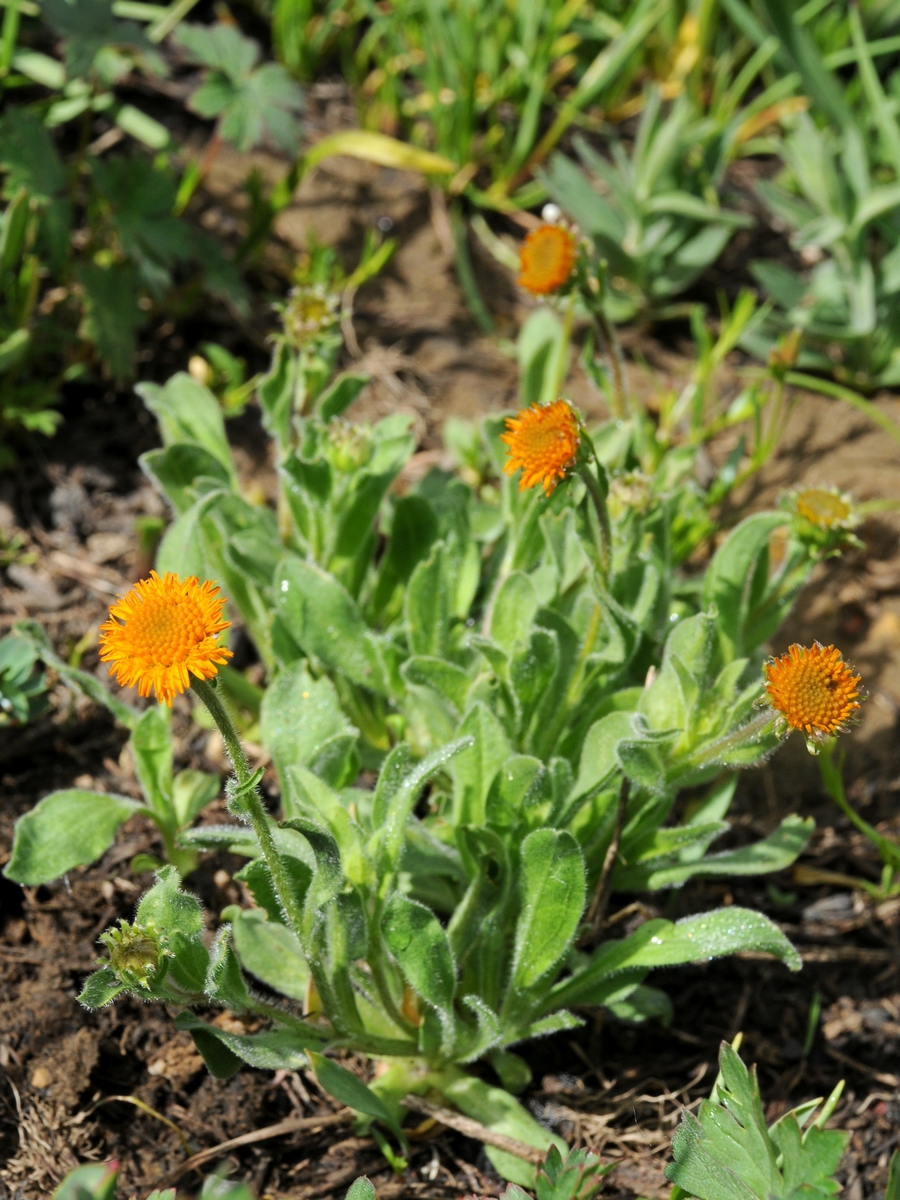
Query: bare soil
x=122, y=1084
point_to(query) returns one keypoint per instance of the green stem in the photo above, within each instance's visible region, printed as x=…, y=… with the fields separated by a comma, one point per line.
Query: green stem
x=8, y=38
x=732, y=740
x=827, y=388
x=604, y=546
x=250, y=798
x=166, y=24
x=613, y=352
x=833, y=779
x=563, y=364
x=573, y=691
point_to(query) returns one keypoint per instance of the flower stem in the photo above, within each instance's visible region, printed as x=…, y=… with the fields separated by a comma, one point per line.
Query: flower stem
x=563, y=364
x=732, y=740
x=833, y=780
x=599, y=502
x=251, y=801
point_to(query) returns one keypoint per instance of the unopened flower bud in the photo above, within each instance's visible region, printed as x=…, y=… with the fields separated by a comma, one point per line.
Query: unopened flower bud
x=309, y=312
x=136, y=952
x=347, y=447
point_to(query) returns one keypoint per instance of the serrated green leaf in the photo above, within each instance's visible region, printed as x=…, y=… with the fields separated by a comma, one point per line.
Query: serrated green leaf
x=112, y=314
x=29, y=155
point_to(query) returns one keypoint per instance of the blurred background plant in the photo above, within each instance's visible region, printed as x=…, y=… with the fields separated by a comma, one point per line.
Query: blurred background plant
x=100, y=1181
x=23, y=686
x=97, y=241
x=837, y=197
x=93, y=245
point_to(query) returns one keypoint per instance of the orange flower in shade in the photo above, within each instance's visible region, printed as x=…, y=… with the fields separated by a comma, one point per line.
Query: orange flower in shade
x=546, y=259
x=543, y=440
x=169, y=633
x=813, y=689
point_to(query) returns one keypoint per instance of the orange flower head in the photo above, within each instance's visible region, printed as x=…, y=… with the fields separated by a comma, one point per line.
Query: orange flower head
x=813, y=689
x=546, y=259
x=170, y=632
x=825, y=508
x=543, y=440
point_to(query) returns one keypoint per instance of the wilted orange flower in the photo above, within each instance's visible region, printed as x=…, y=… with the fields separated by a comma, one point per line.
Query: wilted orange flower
x=543, y=440
x=546, y=259
x=169, y=633
x=813, y=689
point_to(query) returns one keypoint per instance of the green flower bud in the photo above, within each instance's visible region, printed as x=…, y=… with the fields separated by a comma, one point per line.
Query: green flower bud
x=137, y=953
x=309, y=312
x=347, y=447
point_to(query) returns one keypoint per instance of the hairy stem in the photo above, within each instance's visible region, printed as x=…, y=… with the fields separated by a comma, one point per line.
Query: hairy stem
x=732, y=740
x=597, y=499
x=254, y=807
x=613, y=353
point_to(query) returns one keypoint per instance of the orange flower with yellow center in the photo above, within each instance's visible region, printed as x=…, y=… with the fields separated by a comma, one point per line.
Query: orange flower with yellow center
x=813, y=689
x=170, y=632
x=543, y=441
x=823, y=507
x=546, y=259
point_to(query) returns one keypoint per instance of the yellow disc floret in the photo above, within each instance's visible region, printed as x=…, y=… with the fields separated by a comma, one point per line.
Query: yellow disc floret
x=546, y=259
x=170, y=632
x=813, y=689
x=543, y=441
x=823, y=507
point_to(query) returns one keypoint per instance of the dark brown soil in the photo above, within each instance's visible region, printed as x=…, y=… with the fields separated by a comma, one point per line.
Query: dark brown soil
x=613, y=1087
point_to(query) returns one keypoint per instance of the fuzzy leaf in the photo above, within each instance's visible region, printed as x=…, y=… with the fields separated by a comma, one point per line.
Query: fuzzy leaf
x=66, y=829
x=417, y=940
x=553, y=894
